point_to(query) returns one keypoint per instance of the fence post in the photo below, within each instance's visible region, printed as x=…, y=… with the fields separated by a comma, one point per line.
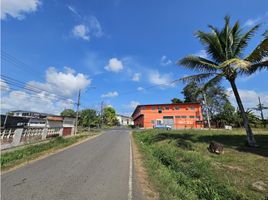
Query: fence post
x=44, y=134
x=17, y=137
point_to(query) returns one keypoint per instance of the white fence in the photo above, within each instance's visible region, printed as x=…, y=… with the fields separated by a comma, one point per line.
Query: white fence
x=12, y=137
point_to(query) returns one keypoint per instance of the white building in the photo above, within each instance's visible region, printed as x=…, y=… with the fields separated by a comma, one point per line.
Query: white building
x=124, y=120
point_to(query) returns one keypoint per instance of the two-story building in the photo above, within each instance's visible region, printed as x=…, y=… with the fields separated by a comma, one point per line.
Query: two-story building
x=124, y=120
x=178, y=116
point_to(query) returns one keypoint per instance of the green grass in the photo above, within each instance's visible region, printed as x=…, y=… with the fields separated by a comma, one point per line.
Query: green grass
x=30, y=152
x=180, y=166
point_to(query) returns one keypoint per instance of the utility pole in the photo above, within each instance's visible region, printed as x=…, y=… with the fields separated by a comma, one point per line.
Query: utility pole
x=101, y=114
x=77, y=110
x=261, y=108
x=208, y=118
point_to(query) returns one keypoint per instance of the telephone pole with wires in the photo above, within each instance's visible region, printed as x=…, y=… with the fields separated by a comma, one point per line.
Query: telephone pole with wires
x=77, y=110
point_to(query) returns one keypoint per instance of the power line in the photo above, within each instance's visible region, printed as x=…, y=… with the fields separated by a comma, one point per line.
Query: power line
x=19, y=64
x=26, y=86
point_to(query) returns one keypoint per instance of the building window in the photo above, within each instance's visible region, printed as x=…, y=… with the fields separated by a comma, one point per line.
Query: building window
x=153, y=107
x=159, y=111
x=167, y=107
x=177, y=107
x=177, y=116
x=192, y=117
x=183, y=116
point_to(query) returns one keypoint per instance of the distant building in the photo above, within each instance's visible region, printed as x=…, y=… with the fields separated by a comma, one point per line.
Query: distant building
x=124, y=120
x=20, y=118
x=30, y=114
x=178, y=116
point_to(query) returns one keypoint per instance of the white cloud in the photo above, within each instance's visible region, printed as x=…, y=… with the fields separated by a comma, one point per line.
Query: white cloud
x=164, y=80
x=42, y=102
x=81, y=31
x=4, y=86
x=140, y=88
x=110, y=94
x=250, y=99
x=165, y=61
x=114, y=65
x=18, y=8
x=51, y=96
x=136, y=77
x=95, y=26
x=202, y=53
x=66, y=83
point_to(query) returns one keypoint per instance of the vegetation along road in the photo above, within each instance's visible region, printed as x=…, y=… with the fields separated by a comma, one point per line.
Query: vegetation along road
x=100, y=168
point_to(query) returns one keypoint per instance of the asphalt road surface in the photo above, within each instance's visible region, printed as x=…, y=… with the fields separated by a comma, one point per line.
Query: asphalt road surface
x=97, y=169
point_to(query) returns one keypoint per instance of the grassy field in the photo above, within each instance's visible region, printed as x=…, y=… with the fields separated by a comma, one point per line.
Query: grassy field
x=180, y=166
x=31, y=152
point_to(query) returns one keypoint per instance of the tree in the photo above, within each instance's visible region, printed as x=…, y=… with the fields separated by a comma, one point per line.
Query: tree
x=109, y=116
x=176, y=100
x=88, y=118
x=224, y=48
x=216, y=97
x=226, y=116
x=191, y=92
x=68, y=113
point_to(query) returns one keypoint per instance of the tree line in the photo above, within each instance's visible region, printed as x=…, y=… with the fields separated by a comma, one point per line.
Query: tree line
x=91, y=118
x=220, y=109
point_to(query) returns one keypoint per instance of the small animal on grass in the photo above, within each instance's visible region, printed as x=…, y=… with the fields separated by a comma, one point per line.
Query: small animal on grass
x=215, y=147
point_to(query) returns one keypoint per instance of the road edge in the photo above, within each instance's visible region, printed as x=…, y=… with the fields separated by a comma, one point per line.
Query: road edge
x=142, y=176
x=47, y=154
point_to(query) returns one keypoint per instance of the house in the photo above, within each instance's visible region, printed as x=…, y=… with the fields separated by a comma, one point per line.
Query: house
x=178, y=116
x=29, y=114
x=124, y=120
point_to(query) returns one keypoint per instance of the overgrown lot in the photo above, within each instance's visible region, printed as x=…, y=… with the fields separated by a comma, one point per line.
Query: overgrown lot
x=13, y=158
x=181, y=167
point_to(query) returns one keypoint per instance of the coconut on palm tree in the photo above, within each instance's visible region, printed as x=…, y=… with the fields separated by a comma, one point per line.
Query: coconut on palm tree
x=224, y=48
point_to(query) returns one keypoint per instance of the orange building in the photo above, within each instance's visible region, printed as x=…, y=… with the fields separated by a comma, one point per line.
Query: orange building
x=178, y=116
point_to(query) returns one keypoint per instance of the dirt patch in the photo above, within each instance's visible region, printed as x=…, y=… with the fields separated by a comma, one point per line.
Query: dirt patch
x=142, y=175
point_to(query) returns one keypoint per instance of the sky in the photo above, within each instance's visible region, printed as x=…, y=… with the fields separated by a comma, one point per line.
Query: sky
x=113, y=50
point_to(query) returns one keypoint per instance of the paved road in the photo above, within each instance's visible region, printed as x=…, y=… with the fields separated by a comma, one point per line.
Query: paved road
x=98, y=169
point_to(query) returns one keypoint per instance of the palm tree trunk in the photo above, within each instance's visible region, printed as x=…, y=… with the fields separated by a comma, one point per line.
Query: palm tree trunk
x=250, y=137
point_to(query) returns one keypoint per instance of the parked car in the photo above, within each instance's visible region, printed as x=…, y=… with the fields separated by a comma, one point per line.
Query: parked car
x=162, y=126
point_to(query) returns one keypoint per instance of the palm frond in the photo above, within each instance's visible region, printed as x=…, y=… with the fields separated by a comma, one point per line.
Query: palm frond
x=214, y=81
x=199, y=78
x=259, y=52
x=244, y=39
x=236, y=63
x=197, y=63
x=255, y=67
x=212, y=44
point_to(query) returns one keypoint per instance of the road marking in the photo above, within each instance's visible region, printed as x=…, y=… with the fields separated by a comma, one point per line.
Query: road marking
x=130, y=171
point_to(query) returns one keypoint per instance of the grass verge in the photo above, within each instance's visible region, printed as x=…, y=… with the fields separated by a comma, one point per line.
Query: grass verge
x=180, y=167
x=31, y=152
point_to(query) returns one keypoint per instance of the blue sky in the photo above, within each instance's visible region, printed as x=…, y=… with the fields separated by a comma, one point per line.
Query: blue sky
x=118, y=46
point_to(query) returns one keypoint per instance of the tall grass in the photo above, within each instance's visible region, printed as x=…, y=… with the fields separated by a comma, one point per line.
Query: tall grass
x=181, y=168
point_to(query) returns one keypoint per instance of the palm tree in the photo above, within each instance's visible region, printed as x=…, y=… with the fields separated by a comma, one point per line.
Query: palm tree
x=225, y=48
